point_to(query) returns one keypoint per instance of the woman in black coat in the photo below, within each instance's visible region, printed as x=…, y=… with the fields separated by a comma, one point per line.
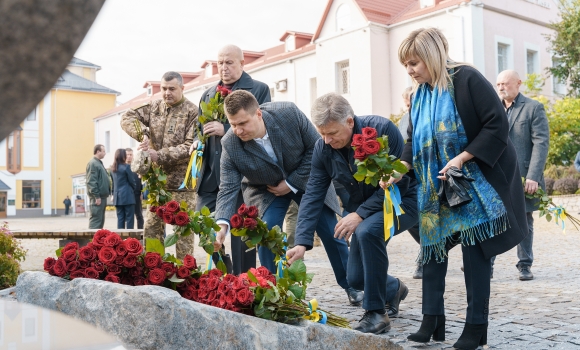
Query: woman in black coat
x=458, y=120
x=123, y=190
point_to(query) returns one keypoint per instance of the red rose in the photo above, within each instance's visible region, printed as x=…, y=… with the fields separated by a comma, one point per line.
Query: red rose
x=99, y=237
x=160, y=212
x=99, y=266
x=202, y=293
x=223, y=288
x=183, y=272
x=83, y=264
x=181, y=218
x=77, y=274
x=69, y=255
x=237, y=221
x=139, y=280
x=187, y=294
x=233, y=308
x=72, y=266
x=223, y=91
x=59, y=268
x=152, y=260
x=70, y=246
x=133, y=246
x=112, y=240
x=169, y=218
x=213, y=283
x=136, y=271
x=153, y=209
x=239, y=284
x=168, y=267
x=359, y=153
x=49, y=263
x=189, y=262
x=253, y=212
x=263, y=282
x=156, y=276
x=222, y=300
x=114, y=269
x=369, y=133
x=250, y=223
x=211, y=296
x=172, y=207
x=126, y=280
x=271, y=278
x=371, y=147
x=90, y=272
x=263, y=271
x=229, y=279
x=231, y=297
x=215, y=303
x=215, y=273
x=119, y=260
x=121, y=249
x=87, y=254
x=245, y=297
x=107, y=255
x=112, y=278
x=357, y=140
x=243, y=210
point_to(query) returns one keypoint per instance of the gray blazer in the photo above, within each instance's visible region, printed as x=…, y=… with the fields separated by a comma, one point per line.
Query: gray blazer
x=530, y=134
x=247, y=165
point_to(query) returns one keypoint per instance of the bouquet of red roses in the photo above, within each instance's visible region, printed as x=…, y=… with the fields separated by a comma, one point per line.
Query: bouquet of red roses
x=213, y=110
x=247, y=225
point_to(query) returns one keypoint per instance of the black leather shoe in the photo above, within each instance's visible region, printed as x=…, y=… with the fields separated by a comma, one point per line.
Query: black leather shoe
x=431, y=325
x=526, y=273
x=472, y=337
x=392, y=306
x=355, y=297
x=373, y=322
x=418, y=274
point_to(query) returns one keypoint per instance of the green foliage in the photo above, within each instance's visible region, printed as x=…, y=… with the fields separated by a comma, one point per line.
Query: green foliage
x=201, y=223
x=153, y=245
x=547, y=208
x=273, y=238
x=564, y=120
x=565, y=43
x=155, y=183
x=211, y=111
x=11, y=254
x=379, y=166
x=533, y=85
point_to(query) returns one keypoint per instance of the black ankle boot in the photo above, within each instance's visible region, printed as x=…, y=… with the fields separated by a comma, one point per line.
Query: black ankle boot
x=431, y=325
x=473, y=335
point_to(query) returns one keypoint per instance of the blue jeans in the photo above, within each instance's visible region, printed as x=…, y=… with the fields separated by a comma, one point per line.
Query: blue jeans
x=336, y=249
x=125, y=213
x=368, y=262
x=525, y=251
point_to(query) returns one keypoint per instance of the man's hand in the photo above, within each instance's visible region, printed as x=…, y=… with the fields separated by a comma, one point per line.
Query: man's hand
x=153, y=154
x=220, y=237
x=214, y=129
x=347, y=225
x=98, y=201
x=279, y=190
x=144, y=145
x=295, y=253
x=531, y=186
x=193, y=146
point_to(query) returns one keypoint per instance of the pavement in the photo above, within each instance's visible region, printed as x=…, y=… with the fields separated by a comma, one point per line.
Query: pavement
x=540, y=314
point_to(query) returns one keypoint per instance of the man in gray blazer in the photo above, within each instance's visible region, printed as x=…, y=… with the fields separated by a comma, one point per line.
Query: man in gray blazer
x=267, y=153
x=530, y=134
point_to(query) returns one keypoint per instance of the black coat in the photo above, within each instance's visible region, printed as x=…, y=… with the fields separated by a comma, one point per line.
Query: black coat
x=486, y=127
x=329, y=164
x=123, y=185
x=210, y=172
x=138, y=190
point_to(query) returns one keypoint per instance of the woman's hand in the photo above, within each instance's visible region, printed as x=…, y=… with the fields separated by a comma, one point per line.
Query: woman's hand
x=456, y=162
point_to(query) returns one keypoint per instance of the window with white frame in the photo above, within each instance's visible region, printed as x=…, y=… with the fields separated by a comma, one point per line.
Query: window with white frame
x=272, y=90
x=343, y=18
x=343, y=72
x=149, y=90
x=313, y=90
x=32, y=115
x=107, y=141
x=502, y=57
x=558, y=85
x=531, y=61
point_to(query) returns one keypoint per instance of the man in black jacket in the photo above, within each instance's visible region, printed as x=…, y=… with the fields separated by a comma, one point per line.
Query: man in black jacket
x=232, y=77
x=333, y=159
x=138, y=192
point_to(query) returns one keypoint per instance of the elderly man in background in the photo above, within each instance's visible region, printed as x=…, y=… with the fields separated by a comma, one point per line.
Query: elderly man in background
x=530, y=134
x=168, y=126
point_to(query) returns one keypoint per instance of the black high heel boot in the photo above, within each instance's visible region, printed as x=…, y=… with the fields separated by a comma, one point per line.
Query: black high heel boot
x=472, y=336
x=431, y=325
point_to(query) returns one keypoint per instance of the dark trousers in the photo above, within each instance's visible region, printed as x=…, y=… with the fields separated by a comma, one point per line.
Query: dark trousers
x=139, y=214
x=368, y=262
x=477, y=271
x=242, y=261
x=125, y=214
x=525, y=248
x=336, y=249
x=66, y=209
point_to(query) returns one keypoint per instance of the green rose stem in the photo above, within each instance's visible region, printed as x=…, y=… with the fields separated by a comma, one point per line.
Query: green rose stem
x=546, y=206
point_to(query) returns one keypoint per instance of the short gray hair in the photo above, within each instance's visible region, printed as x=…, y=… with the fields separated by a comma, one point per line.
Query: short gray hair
x=330, y=107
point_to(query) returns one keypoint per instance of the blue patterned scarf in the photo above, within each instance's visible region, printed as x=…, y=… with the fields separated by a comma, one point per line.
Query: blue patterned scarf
x=439, y=136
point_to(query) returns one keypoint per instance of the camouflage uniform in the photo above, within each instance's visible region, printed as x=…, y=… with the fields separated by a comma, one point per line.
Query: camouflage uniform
x=171, y=131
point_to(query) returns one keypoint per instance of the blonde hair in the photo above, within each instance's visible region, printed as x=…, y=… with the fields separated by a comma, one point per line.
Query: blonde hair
x=431, y=47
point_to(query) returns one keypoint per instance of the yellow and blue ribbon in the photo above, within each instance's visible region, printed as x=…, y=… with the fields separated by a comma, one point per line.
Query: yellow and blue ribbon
x=281, y=262
x=392, y=203
x=315, y=314
x=559, y=214
x=193, y=167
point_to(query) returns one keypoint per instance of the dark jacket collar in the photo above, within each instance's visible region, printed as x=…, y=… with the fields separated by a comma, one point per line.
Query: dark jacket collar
x=245, y=82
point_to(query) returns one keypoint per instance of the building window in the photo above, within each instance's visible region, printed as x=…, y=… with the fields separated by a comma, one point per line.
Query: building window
x=14, y=152
x=559, y=85
x=343, y=17
x=107, y=141
x=149, y=90
x=313, y=90
x=32, y=116
x=31, y=193
x=531, y=61
x=502, y=57
x=343, y=80
x=272, y=90
x=290, y=43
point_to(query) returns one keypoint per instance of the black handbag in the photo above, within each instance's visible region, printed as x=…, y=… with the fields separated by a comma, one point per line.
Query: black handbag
x=454, y=191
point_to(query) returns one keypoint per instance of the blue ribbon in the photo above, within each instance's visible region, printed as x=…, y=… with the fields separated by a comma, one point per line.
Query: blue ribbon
x=395, y=199
x=281, y=263
x=194, y=171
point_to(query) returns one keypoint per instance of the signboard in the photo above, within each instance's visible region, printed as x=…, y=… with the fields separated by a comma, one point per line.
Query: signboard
x=79, y=206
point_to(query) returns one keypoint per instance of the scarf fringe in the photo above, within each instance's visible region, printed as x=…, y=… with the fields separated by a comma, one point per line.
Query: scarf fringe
x=481, y=232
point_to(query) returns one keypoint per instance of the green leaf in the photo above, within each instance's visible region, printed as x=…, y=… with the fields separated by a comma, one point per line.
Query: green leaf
x=252, y=278
x=162, y=177
x=205, y=211
x=170, y=240
x=400, y=167
x=154, y=245
x=296, y=290
x=256, y=239
x=222, y=267
x=359, y=177
x=297, y=270
x=59, y=252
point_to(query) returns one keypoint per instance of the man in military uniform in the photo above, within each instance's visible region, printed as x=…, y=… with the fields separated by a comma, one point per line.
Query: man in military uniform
x=168, y=126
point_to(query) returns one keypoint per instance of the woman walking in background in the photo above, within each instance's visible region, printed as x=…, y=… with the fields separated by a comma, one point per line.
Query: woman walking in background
x=457, y=120
x=123, y=189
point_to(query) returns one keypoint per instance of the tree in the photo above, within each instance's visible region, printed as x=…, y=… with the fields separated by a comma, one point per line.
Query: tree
x=565, y=44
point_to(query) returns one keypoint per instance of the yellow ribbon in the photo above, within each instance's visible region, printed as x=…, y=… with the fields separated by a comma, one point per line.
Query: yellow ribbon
x=560, y=214
x=315, y=316
x=191, y=176
x=391, y=206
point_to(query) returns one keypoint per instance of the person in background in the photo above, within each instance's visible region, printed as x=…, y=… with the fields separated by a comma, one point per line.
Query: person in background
x=98, y=187
x=67, y=204
x=404, y=122
x=123, y=190
x=138, y=190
